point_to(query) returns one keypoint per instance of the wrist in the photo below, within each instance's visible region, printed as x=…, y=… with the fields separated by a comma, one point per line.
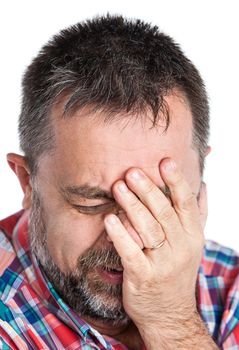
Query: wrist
x=177, y=333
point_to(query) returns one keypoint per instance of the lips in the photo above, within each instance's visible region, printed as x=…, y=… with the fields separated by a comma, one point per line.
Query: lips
x=113, y=275
x=113, y=269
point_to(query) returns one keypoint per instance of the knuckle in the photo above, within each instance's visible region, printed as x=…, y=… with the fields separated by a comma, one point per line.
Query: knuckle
x=186, y=202
x=135, y=205
x=165, y=213
x=152, y=229
x=149, y=188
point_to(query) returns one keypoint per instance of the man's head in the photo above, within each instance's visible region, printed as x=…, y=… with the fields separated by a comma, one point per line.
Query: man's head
x=101, y=97
x=110, y=64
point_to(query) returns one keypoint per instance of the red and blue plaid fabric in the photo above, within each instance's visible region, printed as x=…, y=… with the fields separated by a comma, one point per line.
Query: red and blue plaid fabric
x=33, y=316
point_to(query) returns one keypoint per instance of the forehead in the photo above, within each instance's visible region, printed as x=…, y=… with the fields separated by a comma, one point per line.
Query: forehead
x=90, y=150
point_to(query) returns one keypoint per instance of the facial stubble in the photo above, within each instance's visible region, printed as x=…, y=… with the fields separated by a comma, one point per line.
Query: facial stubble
x=82, y=288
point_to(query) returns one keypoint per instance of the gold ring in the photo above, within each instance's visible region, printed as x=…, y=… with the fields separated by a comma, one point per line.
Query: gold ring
x=156, y=245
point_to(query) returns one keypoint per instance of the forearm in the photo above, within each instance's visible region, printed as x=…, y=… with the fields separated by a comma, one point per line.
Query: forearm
x=181, y=334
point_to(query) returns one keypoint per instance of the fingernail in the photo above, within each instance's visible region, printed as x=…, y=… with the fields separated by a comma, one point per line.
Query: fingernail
x=170, y=166
x=136, y=175
x=123, y=188
x=111, y=219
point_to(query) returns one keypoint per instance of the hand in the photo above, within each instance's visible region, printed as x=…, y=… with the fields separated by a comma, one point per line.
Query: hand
x=159, y=285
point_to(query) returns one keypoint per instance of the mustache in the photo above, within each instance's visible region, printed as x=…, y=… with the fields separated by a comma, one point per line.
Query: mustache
x=101, y=258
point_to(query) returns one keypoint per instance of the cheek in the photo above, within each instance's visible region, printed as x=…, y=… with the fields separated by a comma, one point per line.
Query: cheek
x=69, y=235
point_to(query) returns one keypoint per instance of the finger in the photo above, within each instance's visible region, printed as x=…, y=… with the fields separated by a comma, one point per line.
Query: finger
x=202, y=203
x=183, y=199
x=142, y=220
x=134, y=234
x=128, y=250
x=156, y=202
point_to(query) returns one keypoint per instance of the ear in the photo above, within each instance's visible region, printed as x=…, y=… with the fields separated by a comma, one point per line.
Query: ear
x=208, y=150
x=19, y=165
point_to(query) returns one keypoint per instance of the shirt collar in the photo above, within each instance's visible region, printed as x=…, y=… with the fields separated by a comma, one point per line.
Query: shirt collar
x=44, y=288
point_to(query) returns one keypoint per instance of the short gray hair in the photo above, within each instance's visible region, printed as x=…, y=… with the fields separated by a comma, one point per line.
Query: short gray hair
x=111, y=63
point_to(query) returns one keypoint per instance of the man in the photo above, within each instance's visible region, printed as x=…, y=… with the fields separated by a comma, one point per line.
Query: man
x=109, y=252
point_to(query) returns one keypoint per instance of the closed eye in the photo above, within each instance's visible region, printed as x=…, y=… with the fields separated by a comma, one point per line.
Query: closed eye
x=95, y=209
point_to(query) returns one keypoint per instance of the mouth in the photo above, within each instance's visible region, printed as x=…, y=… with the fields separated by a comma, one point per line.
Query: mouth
x=113, y=275
x=114, y=269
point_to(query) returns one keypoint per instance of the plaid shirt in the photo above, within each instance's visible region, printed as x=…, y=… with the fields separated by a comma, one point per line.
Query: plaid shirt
x=33, y=316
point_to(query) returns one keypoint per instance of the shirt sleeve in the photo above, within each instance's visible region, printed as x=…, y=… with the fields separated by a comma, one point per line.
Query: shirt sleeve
x=229, y=330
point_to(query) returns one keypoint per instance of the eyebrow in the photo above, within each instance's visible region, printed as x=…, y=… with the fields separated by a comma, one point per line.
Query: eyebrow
x=86, y=191
x=95, y=192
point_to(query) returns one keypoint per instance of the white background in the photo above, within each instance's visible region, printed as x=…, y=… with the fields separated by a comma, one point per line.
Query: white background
x=208, y=32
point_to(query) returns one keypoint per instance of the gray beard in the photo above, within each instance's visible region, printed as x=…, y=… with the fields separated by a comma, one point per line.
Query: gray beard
x=82, y=289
